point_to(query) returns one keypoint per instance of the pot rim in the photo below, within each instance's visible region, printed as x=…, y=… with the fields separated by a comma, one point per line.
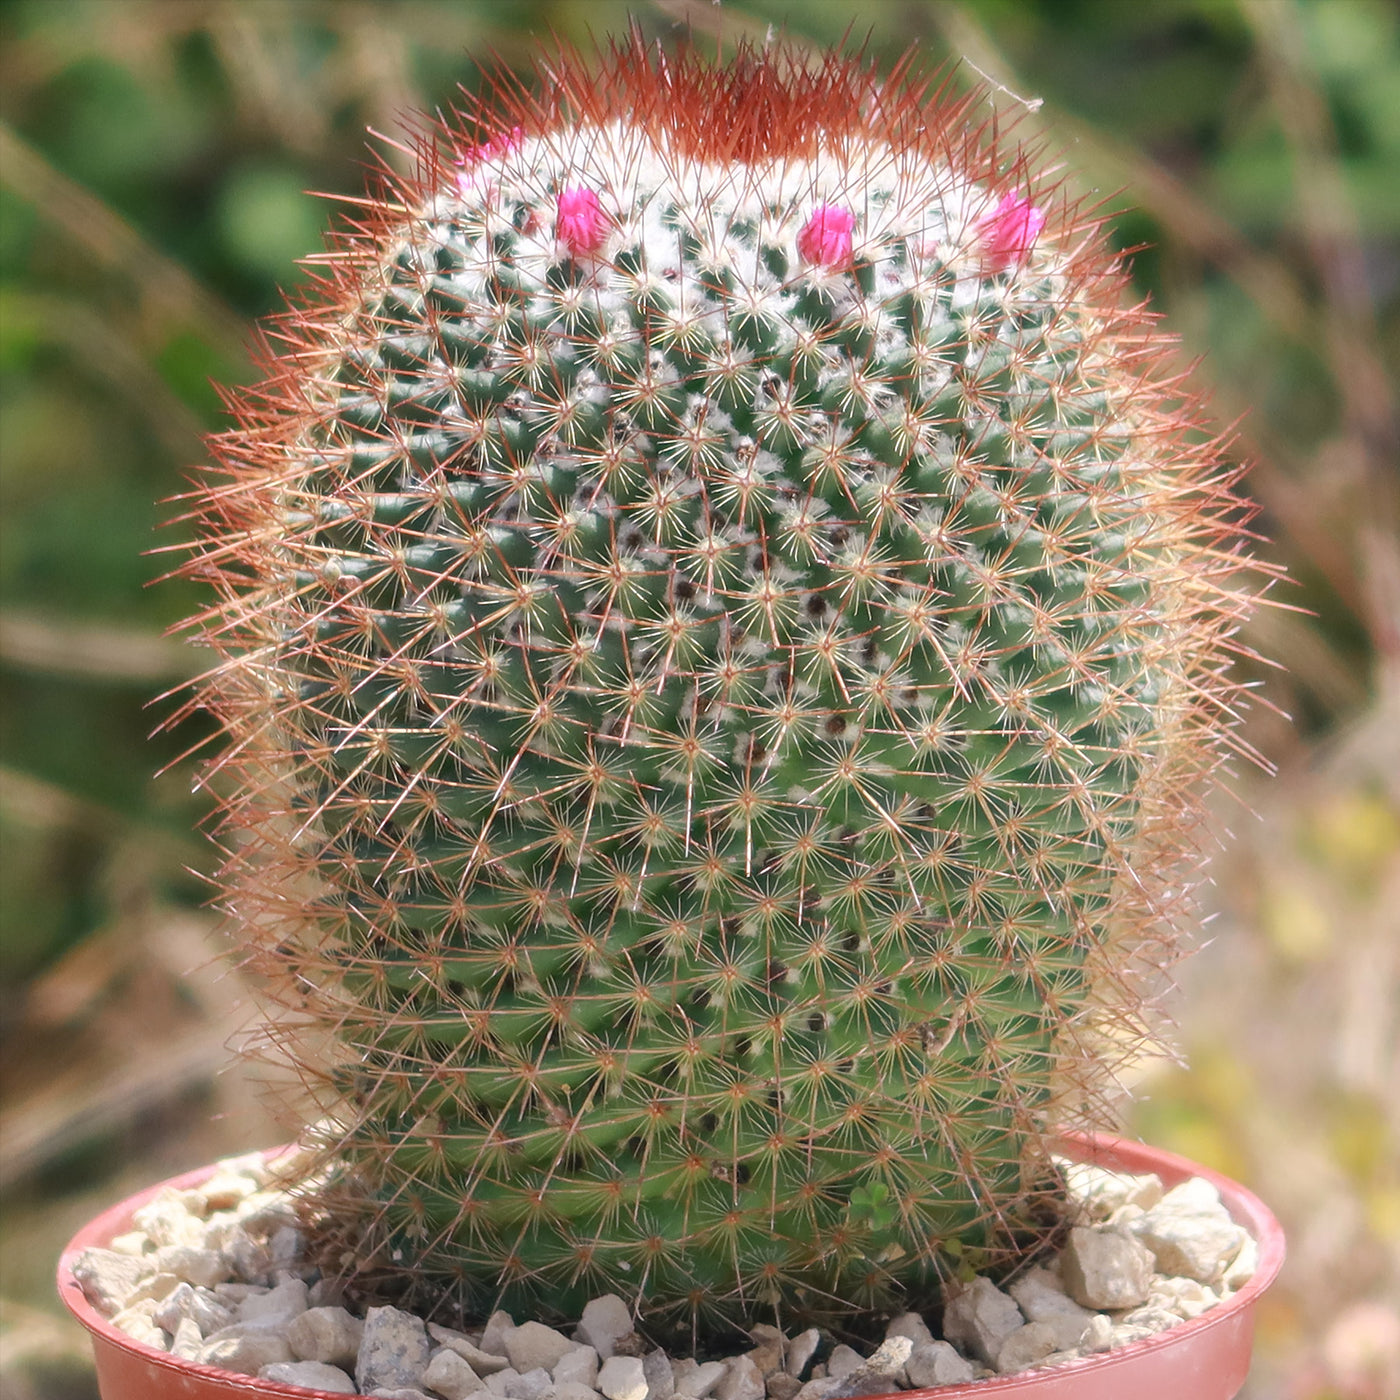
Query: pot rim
x=1099, y=1149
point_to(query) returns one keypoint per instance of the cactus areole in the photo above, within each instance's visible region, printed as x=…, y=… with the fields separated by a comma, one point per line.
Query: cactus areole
x=723, y=613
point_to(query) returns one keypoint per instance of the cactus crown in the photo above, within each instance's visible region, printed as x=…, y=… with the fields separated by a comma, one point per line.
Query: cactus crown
x=723, y=612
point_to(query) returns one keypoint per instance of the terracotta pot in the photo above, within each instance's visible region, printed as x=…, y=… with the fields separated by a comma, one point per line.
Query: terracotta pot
x=1204, y=1359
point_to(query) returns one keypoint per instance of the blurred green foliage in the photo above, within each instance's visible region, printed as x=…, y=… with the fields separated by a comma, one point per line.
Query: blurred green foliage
x=153, y=162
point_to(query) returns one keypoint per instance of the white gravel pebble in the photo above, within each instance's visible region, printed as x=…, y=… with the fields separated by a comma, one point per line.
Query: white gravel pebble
x=1195, y=1194
x=196, y=1305
x=937, y=1363
x=166, y=1219
x=1095, y=1193
x=484, y=1363
x=696, y=1380
x=493, y=1335
x=605, y=1322
x=394, y=1350
x=108, y=1279
x=1125, y=1333
x=218, y=1275
x=523, y=1385
x=233, y=1294
x=314, y=1375
x=1026, y=1346
x=767, y=1351
x=911, y=1325
x=572, y=1391
x=661, y=1380
x=225, y=1190
x=499, y=1326
x=138, y=1322
x=981, y=1317
x=1190, y=1240
x=278, y=1306
x=800, y=1351
x=245, y=1349
x=880, y=1373
x=1183, y=1296
x=154, y=1286
x=330, y=1336
x=742, y=1381
x=533, y=1344
x=623, y=1377
x=285, y=1247
x=1149, y=1319
x=1041, y=1297
x=1243, y=1266
x=187, y=1339
x=201, y=1267
x=1098, y=1335
x=451, y=1375
x=250, y=1257
x=578, y=1366
x=843, y=1361
x=1105, y=1268
x=889, y=1357
x=265, y=1212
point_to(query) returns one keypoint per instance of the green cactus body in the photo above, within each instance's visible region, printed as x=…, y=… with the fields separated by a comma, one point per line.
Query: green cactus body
x=718, y=641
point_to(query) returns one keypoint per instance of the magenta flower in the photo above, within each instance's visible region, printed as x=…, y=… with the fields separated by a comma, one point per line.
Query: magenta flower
x=497, y=145
x=825, y=239
x=582, y=227
x=502, y=143
x=1009, y=232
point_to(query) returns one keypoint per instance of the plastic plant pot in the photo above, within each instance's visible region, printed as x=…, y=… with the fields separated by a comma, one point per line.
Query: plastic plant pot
x=1204, y=1359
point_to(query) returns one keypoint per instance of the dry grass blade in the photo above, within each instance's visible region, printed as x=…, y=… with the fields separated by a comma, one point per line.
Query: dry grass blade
x=112, y=354
x=32, y=802
x=147, y=999
x=80, y=1106
x=94, y=651
x=166, y=288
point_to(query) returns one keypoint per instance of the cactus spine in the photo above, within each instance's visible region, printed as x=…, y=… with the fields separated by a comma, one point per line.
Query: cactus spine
x=722, y=616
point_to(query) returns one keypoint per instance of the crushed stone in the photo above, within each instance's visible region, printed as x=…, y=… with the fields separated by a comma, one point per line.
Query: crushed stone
x=217, y=1274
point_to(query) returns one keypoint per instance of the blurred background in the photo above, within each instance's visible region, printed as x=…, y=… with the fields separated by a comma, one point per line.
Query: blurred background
x=153, y=160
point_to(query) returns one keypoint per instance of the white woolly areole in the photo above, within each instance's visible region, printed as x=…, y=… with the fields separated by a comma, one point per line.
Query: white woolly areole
x=735, y=211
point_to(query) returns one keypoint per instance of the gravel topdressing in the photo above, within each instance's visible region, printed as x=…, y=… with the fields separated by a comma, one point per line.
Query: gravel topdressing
x=218, y=1274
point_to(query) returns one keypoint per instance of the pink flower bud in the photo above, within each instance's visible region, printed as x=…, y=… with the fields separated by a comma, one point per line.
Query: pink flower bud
x=825, y=239
x=582, y=227
x=1009, y=232
x=502, y=143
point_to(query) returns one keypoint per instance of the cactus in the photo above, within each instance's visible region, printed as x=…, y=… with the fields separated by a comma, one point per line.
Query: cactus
x=723, y=612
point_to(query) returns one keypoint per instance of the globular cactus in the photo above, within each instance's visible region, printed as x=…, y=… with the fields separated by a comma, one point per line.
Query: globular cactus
x=723, y=612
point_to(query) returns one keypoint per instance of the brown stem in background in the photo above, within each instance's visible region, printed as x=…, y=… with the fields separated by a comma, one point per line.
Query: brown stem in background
x=168, y=292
